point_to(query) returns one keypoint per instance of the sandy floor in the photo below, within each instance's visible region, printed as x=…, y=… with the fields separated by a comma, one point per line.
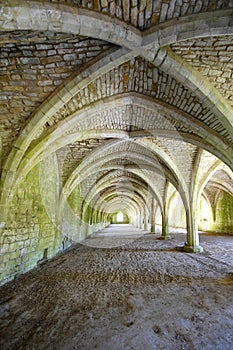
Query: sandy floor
x=134, y=293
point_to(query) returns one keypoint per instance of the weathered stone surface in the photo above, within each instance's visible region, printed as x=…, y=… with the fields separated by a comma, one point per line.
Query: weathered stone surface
x=99, y=126
x=213, y=57
x=71, y=155
x=140, y=76
x=144, y=13
x=31, y=79
x=29, y=229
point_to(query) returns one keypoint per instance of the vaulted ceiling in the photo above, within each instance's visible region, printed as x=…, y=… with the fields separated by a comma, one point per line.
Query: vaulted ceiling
x=125, y=93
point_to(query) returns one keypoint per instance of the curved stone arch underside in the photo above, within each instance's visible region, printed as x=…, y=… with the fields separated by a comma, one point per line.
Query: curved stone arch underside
x=65, y=129
x=128, y=198
x=105, y=190
x=126, y=43
x=138, y=172
x=98, y=154
x=107, y=181
x=213, y=169
x=80, y=176
x=50, y=143
x=22, y=15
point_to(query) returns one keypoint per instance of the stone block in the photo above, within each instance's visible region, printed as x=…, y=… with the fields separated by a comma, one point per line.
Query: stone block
x=30, y=60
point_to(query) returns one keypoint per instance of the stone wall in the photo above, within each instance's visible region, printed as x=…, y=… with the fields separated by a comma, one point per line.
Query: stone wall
x=219, y=216
x=32, y=67
x=30, y=234
x=76, y=225
x=212, y=57
x=176, y=213
x=223, y=214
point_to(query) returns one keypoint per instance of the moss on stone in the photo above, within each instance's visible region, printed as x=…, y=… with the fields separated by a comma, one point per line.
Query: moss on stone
x=223, y=214
x=29, y=230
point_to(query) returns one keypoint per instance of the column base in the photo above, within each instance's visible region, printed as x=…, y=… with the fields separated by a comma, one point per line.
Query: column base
x=193, y=249
x=165, y=237
x=152, y=229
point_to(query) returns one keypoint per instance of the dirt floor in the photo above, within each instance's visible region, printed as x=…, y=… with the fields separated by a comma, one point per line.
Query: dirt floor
x=124, y=290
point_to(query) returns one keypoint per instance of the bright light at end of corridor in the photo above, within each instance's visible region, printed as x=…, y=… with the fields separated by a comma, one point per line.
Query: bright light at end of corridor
x=120, y=217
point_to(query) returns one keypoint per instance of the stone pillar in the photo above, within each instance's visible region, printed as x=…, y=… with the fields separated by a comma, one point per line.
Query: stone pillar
x=145, y=225
x=147, y=219
x=192, y=244
x=86, y=223
x=165, y=231
x=141, y=220
x=152, y=216
x=137, y=220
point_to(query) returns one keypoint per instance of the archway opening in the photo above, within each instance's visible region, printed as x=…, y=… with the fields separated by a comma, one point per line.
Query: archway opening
x=120, y=218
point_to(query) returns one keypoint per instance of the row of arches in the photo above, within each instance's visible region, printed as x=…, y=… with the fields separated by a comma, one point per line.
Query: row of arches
x=208, y=218
x=98, y=145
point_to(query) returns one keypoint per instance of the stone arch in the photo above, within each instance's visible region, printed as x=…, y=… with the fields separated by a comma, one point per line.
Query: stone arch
x=21, y=15
x=125, y=99
x=77, y=177
x=77, y=173
x=114, y=204
x=183, y=186
x=188, y=27
x=106, y=182
x=110, y=192
x=216, y=166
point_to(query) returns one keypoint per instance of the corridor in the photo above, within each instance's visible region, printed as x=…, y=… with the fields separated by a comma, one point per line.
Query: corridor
x=124, y=289
x=116, y=155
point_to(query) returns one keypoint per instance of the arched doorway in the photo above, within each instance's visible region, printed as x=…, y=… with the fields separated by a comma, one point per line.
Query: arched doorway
x=120, y=218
